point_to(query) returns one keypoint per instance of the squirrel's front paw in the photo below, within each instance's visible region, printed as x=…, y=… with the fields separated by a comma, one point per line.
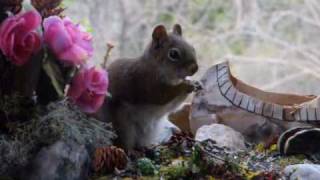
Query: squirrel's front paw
x=192, y=86
x=197, y=86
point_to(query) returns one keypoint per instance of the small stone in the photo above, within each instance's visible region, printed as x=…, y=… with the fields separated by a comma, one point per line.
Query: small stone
x=224, y=136
x=302, y=172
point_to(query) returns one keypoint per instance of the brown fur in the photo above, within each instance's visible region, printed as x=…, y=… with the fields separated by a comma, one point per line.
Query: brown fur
x=146, y=88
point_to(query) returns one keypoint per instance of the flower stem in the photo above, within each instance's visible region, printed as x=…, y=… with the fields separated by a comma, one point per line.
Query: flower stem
x=106, y=57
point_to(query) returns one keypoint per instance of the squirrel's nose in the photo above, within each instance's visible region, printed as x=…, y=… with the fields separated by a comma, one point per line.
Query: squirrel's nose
x=193, y=68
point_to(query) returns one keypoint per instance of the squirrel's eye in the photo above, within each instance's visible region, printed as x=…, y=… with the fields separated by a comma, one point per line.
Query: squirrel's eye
x=174, y=54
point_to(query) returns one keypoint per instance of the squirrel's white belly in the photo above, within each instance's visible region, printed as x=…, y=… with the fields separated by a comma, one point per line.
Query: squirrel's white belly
x=139, y=123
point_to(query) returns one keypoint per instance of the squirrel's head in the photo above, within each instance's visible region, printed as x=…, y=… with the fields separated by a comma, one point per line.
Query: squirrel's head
x=175, y=57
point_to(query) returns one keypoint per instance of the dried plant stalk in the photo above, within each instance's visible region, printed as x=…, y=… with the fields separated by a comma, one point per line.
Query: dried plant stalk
x=48, y=7
x=13, y=6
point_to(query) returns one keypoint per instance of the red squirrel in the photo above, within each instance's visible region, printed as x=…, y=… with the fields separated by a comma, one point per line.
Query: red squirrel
x=146, y=88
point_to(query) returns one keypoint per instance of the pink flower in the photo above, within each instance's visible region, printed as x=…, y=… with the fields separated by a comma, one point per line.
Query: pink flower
x=18, y=38
x=70, y=43
x=89, y=88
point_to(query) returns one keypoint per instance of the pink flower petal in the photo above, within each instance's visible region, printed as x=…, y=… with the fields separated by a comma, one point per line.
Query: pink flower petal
x=90, y=103
x=77, y=88
x=88, y=89
x=99, y=82
x=56, y=35
x=32, y=20
x=69, y=43
x=74, y=55
x=21, y=55
x=18, y=37
x=7, y=28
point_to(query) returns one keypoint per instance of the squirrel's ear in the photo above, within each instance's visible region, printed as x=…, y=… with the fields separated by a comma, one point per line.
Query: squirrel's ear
x=159, y=34
x=177, y=29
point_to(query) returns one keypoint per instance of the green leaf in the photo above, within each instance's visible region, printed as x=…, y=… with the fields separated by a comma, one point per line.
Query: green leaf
x=55, y=76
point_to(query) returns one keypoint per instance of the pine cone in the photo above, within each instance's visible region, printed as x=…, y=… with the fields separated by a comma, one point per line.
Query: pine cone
x=181, y=137
x=48, y=7
x=109, y=158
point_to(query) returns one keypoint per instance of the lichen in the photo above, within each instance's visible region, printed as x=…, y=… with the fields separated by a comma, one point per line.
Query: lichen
x=65, y=122
x=60, y=121
x=13, y=153
x=262, y=149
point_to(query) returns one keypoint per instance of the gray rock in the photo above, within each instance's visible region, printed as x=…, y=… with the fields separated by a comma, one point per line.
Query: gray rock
x=210, y=106
x=60, y=161
x=302, y=172
x=223, y=135
x=164, y=131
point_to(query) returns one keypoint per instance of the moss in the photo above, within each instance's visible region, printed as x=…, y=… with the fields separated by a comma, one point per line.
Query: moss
x=260, y=148
x=62, y=121
x=180, y=170
x=290, y=160
x=146, y=166
x=196, y=156
x=13, y=153
x=273, y=148
x=165, y=155
x=59, y=122
x=247, y=174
